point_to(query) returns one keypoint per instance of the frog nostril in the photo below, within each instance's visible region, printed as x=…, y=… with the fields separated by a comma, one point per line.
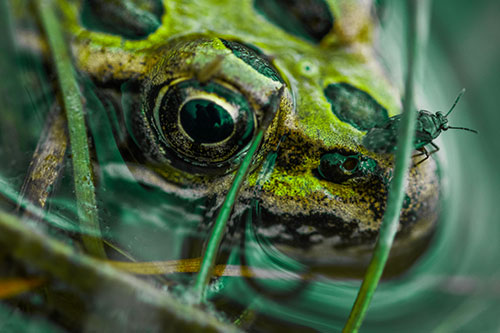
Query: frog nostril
x=330, y=168
x=339, y=167
x=350, y=164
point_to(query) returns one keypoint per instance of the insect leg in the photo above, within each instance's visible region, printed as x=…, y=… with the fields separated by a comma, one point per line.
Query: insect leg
x=436, y=148
x=427, y=154
x=422, y=151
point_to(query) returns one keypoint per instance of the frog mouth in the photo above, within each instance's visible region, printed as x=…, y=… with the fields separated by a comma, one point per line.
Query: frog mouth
x=304, y=231
x=329, y=245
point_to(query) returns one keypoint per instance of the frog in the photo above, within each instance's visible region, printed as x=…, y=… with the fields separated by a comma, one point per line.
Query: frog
x=191, y=90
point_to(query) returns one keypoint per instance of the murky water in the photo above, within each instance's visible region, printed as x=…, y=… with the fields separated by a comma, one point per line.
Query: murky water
x=454, y=285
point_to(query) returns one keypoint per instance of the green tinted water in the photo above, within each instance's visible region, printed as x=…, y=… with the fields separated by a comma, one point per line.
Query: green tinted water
x=453, y=287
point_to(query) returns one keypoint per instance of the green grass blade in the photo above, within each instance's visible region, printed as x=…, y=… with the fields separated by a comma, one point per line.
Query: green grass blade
x=221, y=221
x=212, y=248
x=82, y=172
x=119, y=301
x=418, y=18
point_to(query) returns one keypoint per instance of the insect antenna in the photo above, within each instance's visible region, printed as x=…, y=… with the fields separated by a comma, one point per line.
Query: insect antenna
x=460, y=94
x=463, y=128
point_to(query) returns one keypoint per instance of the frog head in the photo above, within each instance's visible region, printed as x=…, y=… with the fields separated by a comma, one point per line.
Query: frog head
x=196, y=88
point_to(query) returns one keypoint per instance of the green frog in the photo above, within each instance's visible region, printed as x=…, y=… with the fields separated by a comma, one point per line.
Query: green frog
x=191, y=82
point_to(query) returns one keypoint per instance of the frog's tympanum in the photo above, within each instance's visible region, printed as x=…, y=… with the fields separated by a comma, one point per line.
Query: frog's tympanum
x=191, y=80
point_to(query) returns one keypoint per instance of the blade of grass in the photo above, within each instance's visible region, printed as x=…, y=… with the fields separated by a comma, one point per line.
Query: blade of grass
x=10, y=90
x=14, y=287
x=212, y=248
x=82, y=172
x=120, y=301
x=418, y=18
x=47, y=161
x=192, y=265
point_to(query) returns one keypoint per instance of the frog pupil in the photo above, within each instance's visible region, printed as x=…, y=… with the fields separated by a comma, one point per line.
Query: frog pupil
x=205, y=121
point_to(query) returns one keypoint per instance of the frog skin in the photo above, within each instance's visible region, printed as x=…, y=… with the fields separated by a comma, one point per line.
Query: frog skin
x=321, y=194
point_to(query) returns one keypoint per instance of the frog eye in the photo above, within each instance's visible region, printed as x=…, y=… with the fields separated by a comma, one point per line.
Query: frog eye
x=203, y=124
x=198, y=112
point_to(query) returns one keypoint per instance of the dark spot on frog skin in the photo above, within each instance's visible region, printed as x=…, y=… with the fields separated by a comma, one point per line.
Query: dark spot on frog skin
x=355, y=106
x=130, y=19
x=307, y=19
